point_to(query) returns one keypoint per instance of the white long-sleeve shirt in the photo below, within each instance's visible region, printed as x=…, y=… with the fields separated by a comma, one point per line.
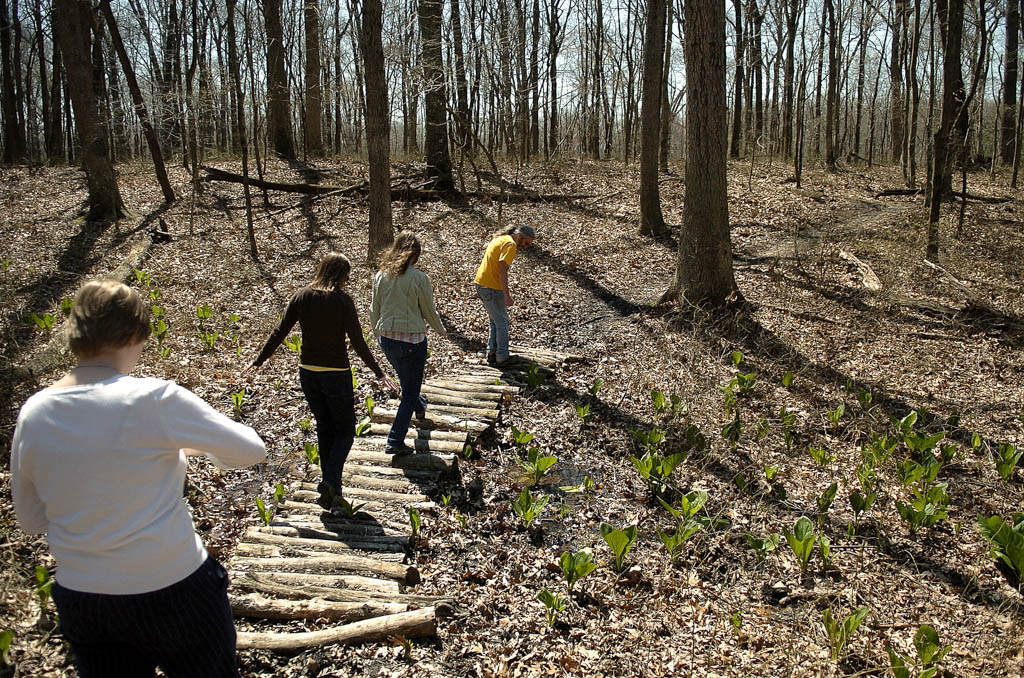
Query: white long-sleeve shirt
x=99, y=468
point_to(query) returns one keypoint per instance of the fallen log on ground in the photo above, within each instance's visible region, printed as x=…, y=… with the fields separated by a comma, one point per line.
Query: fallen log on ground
x=412, y=624
x=256, y=605
x=401, y=192
x=992, y=199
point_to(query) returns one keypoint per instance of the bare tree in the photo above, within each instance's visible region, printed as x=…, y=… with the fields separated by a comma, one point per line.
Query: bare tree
x=435, y=137
x=1009, y=131
x=14, y=132
x=279, y=123
x=704, y=274
x=651, y=220
x=236, y=81
x=378, y=128
x=737, y=105
x=953, y=20
x=313, y=102
x=73, y=30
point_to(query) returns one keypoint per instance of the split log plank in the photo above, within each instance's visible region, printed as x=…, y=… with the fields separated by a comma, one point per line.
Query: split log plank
x=433, y=420
x=363, y=494
x=265, y=585
x=867, y=274
x=560, y=355
x=393, y=544
x=263, y=532
x=422, y=433
x=338, y=582
x=421, y=445
x=435, y=392
x=478, y=413
x=405, y=574
x=262, y=607
x=270, y=551
x=460, y=384
x=435, y=462
x=412, y=624
x=368, y=481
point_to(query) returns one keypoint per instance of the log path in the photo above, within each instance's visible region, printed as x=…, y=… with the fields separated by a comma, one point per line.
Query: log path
x=351, y=574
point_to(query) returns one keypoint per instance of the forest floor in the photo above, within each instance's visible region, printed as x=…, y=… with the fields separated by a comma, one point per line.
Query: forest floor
x=589, y=286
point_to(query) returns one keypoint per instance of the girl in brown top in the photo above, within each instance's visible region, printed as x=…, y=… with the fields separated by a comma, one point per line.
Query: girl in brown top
x=326, y=315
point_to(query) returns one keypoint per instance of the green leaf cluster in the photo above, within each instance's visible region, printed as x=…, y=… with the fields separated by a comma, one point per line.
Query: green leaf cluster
x=620, y=541
x=528, y=507
x=1007, y=540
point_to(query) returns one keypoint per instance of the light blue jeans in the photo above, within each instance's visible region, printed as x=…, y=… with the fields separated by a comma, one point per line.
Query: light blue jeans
x=497, y=335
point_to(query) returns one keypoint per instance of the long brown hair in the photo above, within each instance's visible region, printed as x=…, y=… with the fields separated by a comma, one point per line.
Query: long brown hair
x=332, y=272
x=404, y=252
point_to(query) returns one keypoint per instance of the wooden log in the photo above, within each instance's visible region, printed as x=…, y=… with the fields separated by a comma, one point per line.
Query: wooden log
x=393, y=544
x=304, y=517
x=422, y=433
x=972, y=297
x=436, y=393
x=421, y=445
x=250, y=550
x=418, y=476
x=467, y=384
x=412, y=624
x=338, y=582
x=262, y=532
x=434, y=420
x=405, y=574
x=214, y=174
x=353, y=478
x=259, y=606
x=435, y=462
x=266, y=585
x=552, y=353
x=329, y=523
x=361, y=494
x=471, y=410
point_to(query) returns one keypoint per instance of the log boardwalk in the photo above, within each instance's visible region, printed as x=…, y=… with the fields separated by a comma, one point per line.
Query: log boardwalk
x=350, y=573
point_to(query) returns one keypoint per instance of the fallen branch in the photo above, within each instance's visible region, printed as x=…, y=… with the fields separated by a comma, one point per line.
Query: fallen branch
x=214, y=174
x=972, y=296
x=867, y=274
x=957, y=194
x=412, y=624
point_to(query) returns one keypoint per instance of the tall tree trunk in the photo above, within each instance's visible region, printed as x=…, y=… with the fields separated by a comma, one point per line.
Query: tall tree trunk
x=140, y=104
x=279, y=117
x=862, y=47
x=951, y=76
x=439, y=162
x=651, y=220
x=757, y=59
x=534, y=79
x=704, y=274
x=665, y=140
x=14, y=135
x=462, y=120
x=792, y=14
x=55, y=143
x=72, y=31
x=554, y=43
x=236, y=81
x=896, y=79
x=832, y=88
x=915, y=100
x=737, y=106
x=378, y=129
x=314, y=102
x=1009, y=131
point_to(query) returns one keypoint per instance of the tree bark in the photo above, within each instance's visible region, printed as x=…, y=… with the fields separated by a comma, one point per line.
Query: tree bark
x=651, y=220
x=737, y=106
x=279, y=122
x=14, y=134
x=140, y=104
x=704, y=274
x=378, y=129
x=236, y=81
x=951, y=76
x=435, y=132
x=104, y=200
x=896, y=80
x=1009, y=131
x=314, y=99
x=832, y=88
x=791, y=8
x=55, y=142
x=462, y=114
x=665, y=140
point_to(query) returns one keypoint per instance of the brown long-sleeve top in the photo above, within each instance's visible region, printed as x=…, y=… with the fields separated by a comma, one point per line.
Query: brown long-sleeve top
x=325, y=318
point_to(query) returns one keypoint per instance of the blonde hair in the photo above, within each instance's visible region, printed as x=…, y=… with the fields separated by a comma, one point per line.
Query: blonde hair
x=332, y=272
x=404, y=252
x=106, y=314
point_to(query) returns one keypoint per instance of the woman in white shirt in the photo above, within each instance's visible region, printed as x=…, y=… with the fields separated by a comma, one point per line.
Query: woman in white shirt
x=98, y=463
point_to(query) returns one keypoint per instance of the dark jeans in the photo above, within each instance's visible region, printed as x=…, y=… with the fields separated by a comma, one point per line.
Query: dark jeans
x=408, y=361
x=330, y=398
x=186, y=629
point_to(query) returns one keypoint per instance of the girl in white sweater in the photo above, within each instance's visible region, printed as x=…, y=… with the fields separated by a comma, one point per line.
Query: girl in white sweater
x=98, y=462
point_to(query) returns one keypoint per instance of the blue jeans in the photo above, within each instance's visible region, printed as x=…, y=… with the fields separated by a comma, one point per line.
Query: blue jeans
x=330, y=398
x=185, y=629
x=497, y=335
x=408, y=361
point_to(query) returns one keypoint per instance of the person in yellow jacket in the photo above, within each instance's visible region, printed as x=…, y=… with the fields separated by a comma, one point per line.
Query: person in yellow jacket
x=492, y=287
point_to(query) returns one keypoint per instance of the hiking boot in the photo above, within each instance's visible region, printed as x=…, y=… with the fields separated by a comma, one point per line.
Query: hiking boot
x=328, y=496
x=421, y=413
x=398, y=450
x=491, y=358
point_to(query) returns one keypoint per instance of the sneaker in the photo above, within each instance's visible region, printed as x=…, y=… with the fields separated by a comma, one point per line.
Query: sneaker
x=399, y=450
x=328, y=496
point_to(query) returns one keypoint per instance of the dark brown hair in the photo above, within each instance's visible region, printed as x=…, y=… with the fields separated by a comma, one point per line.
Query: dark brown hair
x=106, y=314
x=331, y=273
x=404, y=252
